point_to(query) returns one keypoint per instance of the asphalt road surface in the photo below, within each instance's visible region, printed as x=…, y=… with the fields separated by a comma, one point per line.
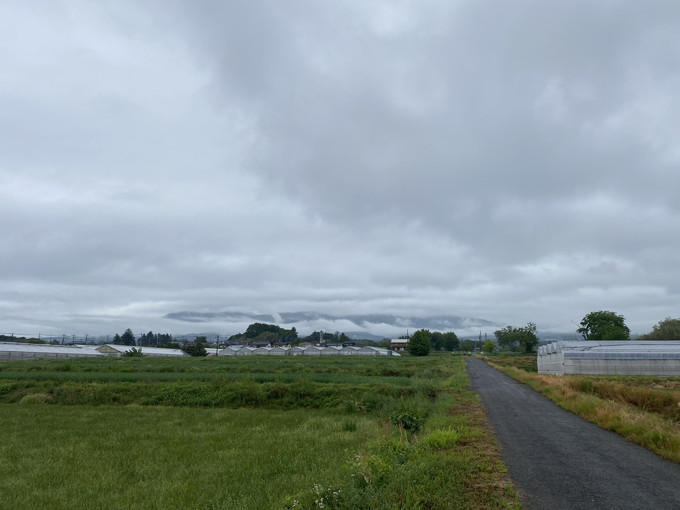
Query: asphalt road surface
x=560, y=461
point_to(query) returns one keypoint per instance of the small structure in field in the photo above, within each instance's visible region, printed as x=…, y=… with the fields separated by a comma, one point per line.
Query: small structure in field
x=152, y=352
x=13, y=351
x=399, y=344
x=625, y=357
x=331, y=350
x=229, y=350
x=312, y=351
x=245, y=351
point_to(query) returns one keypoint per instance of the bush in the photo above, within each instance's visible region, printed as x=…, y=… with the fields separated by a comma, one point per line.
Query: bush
x=197, y=349
x=441, y=438
x=133, y=353
x=407, y=421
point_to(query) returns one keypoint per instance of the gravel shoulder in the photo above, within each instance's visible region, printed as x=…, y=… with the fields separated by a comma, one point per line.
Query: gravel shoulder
x=558, y=461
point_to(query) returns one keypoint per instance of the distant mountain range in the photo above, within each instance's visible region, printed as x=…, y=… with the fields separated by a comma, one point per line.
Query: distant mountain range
x=356, y=326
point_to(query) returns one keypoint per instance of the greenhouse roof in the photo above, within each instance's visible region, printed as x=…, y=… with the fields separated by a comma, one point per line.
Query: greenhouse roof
x=49, y=348
x=618, y=349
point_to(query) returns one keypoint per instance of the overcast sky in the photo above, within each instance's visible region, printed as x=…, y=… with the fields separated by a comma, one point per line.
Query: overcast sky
x=511, y=161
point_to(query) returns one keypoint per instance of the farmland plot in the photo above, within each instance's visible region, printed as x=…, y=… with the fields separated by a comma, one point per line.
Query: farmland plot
x=246, y=433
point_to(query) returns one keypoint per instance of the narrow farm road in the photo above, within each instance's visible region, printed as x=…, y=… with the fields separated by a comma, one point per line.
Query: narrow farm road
x=560, y=461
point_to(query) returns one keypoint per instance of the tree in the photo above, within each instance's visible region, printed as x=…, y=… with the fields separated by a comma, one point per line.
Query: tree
x=489, y=346
x=117, y=340
x=467, y=345
x=451, y=341
x=147, y=339
x=385, y=343
x=163, y=339
x=437, y=340
x=515, y=339
x=667, y=329
x=128, y=338
x=196, y=349
x=419, y=344
x=603, y=325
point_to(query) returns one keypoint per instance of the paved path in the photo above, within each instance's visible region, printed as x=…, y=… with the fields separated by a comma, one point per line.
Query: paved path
x=560, y=461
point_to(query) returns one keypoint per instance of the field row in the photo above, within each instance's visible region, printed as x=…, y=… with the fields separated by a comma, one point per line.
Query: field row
x=342, y=433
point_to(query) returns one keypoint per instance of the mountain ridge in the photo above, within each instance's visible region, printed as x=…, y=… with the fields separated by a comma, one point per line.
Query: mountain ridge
x=369, y=322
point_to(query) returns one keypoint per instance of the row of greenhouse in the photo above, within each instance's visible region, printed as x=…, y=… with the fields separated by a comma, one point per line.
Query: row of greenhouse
x=24, y=351
x=331, y=350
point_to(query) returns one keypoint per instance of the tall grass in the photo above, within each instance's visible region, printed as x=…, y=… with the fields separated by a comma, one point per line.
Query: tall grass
x=341, y=433
x=170, y=458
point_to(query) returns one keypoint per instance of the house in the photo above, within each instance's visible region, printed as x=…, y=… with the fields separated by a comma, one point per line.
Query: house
x=399, y=344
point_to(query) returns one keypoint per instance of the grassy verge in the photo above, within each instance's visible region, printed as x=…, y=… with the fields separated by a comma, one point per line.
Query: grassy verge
x=343, y=433
x=645, y=410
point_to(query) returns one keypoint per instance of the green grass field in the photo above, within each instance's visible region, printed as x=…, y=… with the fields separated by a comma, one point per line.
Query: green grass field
x=246, y=433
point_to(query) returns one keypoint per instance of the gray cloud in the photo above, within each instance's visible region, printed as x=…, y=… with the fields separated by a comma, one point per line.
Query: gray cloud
x=511, y=162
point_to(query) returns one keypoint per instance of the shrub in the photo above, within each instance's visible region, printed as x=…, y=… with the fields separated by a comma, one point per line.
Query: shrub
x=133, y=353
x=36, y=398
x=407, y=421
x=441, y=438
x=349, y=426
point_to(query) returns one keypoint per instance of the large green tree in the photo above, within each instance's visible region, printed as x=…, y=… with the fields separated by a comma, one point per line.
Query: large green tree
x=444, y=341
x=667, y=329
x=489, y=346
x=451, y=341
x=419, y=344
x=196, y=348
x=128, y=337
x=467, y=345
x=604, y=325
x=516, y=339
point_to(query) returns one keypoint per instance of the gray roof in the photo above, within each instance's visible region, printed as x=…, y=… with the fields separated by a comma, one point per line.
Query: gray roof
x=74, y=350
x=157, y=351
x=617, y=349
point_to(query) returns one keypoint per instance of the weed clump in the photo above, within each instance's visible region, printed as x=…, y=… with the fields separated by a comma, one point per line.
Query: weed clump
x=407, y=421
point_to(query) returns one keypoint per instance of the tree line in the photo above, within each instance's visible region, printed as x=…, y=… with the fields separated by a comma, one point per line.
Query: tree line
x=597, y=325
x=423, y=341
x=272, y=334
